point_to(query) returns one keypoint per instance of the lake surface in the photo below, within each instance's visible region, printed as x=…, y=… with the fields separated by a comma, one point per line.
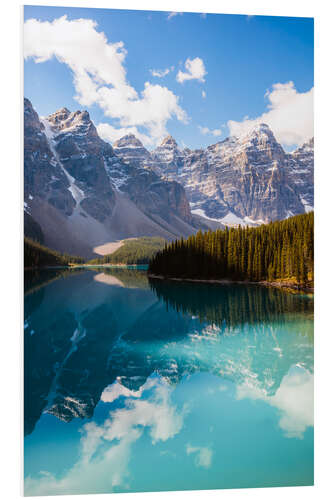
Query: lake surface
x=133, y=385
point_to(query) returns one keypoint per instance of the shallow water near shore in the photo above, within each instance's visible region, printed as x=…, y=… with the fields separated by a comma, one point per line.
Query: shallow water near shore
x=138, y=385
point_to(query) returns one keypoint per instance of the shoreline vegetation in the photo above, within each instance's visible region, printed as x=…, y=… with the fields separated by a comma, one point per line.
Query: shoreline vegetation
x=133, y=251
x=279, y=254
x=37, y=256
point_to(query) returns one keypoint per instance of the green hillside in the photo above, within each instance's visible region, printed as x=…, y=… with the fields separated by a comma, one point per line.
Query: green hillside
x=133, y=251
x=37, y=255
x=32, y=229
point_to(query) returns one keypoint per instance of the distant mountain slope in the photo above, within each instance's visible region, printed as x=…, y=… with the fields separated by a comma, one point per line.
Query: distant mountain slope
x=81, y=194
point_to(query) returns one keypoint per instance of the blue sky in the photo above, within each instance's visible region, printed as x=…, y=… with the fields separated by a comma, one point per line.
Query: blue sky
x=226, y=72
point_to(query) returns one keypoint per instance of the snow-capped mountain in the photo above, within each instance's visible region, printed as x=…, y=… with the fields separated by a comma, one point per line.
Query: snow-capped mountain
x=130, y=149
x=249, y=179
x=82, y=194
x=301, y=164
x=167, y=159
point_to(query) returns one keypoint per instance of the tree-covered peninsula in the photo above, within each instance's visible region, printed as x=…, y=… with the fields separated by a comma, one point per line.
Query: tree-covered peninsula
x=277, y=251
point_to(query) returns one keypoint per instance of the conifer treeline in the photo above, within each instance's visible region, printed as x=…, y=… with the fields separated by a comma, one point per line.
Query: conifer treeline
x=37, y=255
x=274, y=251
x=133, y=251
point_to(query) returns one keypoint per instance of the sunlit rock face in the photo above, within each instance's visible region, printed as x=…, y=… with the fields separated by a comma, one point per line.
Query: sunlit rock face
x=300, y=173
x=168, y=159
x=131, y=149
x=247, y=179
x=250, y=177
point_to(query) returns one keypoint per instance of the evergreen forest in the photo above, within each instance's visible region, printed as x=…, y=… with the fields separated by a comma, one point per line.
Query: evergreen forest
x=281, y=250
x=37, y=255
x=133, y=251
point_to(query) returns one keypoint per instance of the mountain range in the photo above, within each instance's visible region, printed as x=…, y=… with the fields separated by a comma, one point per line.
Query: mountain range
x=80, y=192
x=250, y=179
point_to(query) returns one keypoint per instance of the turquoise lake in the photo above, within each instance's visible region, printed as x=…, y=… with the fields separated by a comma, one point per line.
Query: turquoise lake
x=138, y=385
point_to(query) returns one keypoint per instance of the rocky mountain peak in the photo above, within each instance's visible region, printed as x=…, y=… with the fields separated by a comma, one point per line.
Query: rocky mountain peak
x=307, y=146
x=169, y=141
x=128, y=141
x=262, y=128
x=31, y=119
x=131, y=150
x=27, y=105
x=79, y=122
x=260, y=141
x=261, y=131
x=59, y=116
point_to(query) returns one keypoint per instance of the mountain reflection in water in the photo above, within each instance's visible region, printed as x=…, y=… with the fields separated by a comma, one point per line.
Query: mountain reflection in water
x=95, y=337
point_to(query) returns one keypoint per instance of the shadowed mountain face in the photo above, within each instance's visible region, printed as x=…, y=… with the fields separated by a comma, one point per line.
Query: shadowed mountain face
x=84, y=331
x=80, y=194
x=238, y=180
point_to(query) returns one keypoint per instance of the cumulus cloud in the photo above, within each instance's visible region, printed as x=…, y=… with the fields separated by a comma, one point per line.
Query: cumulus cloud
x=195, y=70
x=160, y=73
x=294, y=399
x=112, y=134
x=206, y=131
x=203, y=455
x=289, y=115
x=99, y=74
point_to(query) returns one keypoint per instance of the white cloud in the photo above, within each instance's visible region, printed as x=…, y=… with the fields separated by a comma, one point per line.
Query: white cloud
x=173, y=14
x=294, y=399
x=99, y=73
x=289, y=115
x=204, y=95
x=160, y=73
x=203, y=455
x=206, y=131
x=112, y=134
x=195, y=70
